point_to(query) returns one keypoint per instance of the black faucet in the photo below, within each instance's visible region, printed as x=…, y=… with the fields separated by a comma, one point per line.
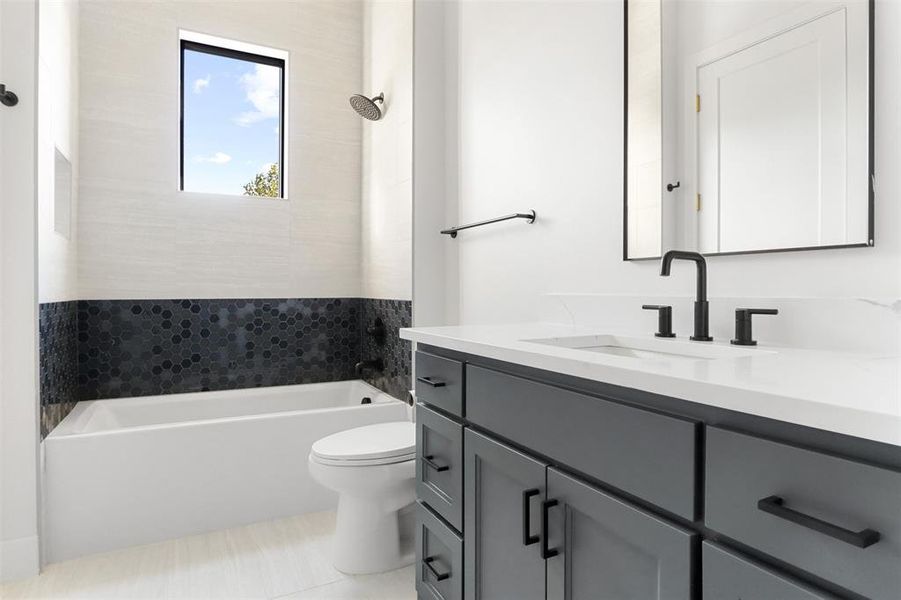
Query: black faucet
x=375, y=364
x=702, y=319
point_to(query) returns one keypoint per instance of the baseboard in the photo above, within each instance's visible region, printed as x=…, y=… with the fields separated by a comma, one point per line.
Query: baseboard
x=19, y=558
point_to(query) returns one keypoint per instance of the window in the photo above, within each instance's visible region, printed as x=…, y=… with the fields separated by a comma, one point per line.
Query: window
x=232, y=117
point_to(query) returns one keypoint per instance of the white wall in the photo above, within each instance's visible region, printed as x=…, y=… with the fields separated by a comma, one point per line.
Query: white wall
x=141, y=238
x=387, y=198
x=645, y=122
x=57, y=129
x=540, y=126
x=435, y=260
x=18, y=295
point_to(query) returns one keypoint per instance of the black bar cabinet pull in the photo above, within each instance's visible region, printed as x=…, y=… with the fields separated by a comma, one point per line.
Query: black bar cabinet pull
x=427, y=561
x=775, y=505
x=530, y=216
x=433, y=465
x=527, y=538
x=432, y=382
x=546, y=552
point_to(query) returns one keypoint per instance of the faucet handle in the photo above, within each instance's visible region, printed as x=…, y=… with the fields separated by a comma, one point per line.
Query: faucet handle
x=664, y=319
x=743, y=316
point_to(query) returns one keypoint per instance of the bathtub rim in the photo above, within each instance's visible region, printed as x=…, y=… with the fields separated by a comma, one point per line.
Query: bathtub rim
x=83, y=407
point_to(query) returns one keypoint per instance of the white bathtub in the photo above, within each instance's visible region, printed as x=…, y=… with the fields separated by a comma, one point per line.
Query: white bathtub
x=136, y=470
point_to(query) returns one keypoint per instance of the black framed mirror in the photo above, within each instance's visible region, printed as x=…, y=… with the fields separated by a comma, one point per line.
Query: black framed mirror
x=748, y=126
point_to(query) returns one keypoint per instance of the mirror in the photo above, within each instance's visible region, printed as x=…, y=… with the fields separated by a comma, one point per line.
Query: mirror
x=748, y=126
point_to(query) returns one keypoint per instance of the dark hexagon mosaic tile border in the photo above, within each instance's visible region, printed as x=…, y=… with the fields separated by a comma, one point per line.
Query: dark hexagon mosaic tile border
x=149, y=347
x=93, y=349
x=395, y=352
x=58, y=361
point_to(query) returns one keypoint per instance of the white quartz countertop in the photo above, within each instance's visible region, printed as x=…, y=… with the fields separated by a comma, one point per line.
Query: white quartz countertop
x=852, y=394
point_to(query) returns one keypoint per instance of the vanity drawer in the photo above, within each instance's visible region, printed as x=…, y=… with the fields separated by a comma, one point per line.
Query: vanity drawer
x=439, y=464
x=439, y=558
x=795, y=504
x=643, y=453
x=729, y=576
x=439, y=382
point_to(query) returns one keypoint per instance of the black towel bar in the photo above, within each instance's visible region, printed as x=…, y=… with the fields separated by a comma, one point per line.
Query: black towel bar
x=530, y=216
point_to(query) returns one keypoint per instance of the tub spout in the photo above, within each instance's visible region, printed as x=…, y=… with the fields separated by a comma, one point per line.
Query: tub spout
x=373, y=364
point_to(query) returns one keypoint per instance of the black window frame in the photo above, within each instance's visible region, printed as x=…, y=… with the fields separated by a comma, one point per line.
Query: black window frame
x=239, y=55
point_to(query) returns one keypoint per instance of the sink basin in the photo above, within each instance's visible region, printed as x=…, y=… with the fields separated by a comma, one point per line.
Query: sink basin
x=649, y=348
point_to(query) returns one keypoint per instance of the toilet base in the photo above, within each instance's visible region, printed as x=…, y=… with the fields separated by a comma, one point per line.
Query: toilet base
x=369, y=539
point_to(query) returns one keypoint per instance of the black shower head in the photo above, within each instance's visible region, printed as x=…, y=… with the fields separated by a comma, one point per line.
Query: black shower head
x=367, y=107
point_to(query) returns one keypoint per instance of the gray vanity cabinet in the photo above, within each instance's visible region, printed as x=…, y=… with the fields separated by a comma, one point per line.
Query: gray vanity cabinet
x=533, y=485
x=504, y=491
x=603, y=547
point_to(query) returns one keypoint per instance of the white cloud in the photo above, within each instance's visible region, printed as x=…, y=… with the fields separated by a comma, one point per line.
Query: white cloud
x=262, y=90
x=219, y=158
x=201, y=84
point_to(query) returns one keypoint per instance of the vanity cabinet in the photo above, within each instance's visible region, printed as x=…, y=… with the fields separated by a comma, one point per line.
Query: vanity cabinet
x=566, y=489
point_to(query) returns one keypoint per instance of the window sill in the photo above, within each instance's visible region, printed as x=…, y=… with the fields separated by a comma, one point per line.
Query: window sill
x=215, y=196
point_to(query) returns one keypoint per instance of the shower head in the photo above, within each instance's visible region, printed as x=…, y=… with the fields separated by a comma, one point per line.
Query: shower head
x=367, y=107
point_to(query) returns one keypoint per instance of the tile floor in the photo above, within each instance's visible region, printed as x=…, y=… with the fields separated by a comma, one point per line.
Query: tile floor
x=285, y=559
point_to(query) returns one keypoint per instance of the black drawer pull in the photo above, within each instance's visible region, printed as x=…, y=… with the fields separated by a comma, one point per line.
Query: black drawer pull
x=775, y=505
x=546, y=552
x=428, y=460
x=527, y=538
x=435, y=383
x=427, y=561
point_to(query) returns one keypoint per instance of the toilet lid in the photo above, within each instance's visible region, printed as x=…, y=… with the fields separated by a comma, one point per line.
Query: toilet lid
x=389, y=441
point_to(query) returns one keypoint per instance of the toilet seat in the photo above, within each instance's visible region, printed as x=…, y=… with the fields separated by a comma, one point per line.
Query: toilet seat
x=380, y=444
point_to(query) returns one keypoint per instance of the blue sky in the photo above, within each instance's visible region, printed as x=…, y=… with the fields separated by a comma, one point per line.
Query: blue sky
x=231, y=110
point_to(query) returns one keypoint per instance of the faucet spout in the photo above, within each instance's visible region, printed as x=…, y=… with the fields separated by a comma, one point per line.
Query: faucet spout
x=702, y=317
x=699, y=260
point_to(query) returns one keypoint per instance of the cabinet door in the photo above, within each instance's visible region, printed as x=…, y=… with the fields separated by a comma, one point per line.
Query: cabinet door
x=602, y=548
x=503, y=492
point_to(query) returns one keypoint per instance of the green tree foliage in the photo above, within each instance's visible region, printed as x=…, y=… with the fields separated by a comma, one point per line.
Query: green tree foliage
x=264, y=184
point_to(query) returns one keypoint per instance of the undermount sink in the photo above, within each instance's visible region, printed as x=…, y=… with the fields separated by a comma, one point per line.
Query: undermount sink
x=648, y=348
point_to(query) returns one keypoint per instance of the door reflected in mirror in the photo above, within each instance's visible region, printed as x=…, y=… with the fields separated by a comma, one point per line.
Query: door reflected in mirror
x=748, y=126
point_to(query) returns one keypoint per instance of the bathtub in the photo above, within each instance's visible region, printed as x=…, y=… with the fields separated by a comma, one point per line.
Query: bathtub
x=132, y=471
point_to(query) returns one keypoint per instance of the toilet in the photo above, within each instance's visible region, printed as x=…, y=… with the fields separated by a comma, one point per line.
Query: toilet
x=373, y=469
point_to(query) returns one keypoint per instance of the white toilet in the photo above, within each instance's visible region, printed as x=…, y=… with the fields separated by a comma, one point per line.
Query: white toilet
x=372, y=468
